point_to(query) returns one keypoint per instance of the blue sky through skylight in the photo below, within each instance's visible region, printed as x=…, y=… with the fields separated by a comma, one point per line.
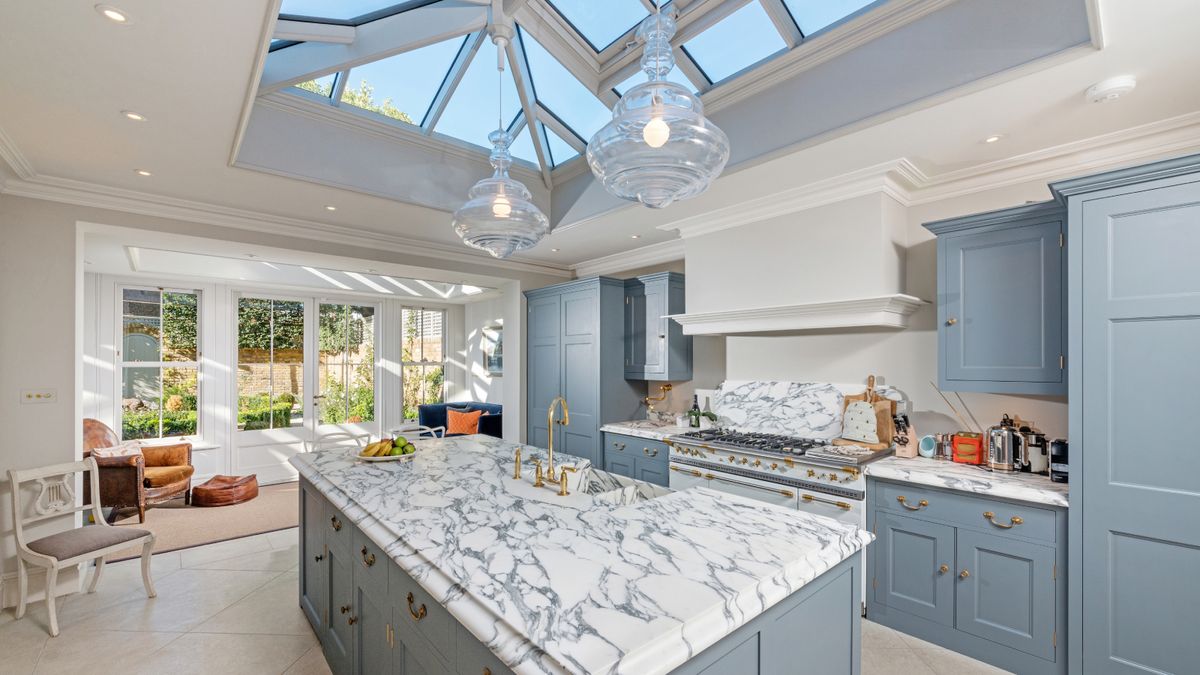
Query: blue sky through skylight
x=560, y=150
x=813, y=15
x=338, y=10
x=411, y=79
x=471, y=113
x=739, y=40
x=558, y=90
x=522, y=147
x=601, y=21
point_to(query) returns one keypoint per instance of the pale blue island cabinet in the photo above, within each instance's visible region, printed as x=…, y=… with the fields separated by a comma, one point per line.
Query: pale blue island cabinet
x=1001, y=301
x=979, y=575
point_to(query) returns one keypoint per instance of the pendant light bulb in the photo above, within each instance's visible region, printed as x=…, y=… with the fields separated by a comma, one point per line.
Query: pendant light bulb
x=656, y=133
x=501, y=208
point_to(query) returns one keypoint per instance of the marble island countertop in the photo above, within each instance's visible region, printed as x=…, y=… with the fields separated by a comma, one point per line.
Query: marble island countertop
x=585, y=583
x=657, y=431
x=967, y=478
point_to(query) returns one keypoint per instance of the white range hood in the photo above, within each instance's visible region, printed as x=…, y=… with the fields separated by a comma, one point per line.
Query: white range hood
x=887, y=311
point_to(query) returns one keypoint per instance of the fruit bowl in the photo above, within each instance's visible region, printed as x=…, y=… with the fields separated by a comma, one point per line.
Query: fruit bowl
x=387, y=450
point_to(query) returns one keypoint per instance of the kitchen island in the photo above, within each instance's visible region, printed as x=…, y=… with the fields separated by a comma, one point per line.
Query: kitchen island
x=492, y=575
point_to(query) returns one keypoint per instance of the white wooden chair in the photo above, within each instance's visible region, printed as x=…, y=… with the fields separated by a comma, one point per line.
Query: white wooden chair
x=337, y=439
x=56, y=498
x=419, y=429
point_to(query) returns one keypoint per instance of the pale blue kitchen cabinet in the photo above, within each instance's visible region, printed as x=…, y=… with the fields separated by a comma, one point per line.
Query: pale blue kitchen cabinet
x=575, y=349
x=655, y=346
x=1001, y=308
x=641, y=458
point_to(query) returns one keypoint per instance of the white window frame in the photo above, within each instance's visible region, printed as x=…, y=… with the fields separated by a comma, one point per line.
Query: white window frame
x=445, y=343
x=120, y=364
x=376, y=366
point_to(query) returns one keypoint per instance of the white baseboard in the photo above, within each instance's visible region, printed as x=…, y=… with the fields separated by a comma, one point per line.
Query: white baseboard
x=70, y=580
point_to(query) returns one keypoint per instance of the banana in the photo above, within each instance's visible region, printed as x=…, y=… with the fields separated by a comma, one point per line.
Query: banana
x=373, y=449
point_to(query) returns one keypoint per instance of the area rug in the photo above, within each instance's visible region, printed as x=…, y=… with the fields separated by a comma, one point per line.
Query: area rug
x=178, y=526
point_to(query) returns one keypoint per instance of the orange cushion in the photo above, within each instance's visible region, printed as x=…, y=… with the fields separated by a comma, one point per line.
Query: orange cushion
x=462, y=422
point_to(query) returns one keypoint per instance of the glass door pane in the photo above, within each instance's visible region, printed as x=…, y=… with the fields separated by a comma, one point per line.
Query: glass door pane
x=346, y=364
x=270, y=363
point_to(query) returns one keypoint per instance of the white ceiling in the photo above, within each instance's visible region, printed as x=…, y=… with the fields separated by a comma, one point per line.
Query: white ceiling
x=190, y=68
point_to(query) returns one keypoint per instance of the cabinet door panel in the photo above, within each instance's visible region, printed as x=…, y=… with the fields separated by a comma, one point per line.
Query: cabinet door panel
x=909, y=557
x=653, y=472
x=544, y=367
x=636, y=330
x=372, y=613
x=338, y=639
x=1001, y=304
x=313, y=566
x=1008, y=596
x=579, y=380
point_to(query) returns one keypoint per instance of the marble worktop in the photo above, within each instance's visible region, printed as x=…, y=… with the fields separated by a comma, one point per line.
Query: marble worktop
x=654, y=430
x=1026, y=487
x=577, y=584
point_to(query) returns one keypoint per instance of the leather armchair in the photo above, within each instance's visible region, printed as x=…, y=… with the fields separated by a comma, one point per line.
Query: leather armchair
x=151, y=475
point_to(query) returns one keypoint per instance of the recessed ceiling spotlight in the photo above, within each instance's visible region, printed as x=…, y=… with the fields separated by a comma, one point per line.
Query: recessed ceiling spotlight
x=635, y=236
x=993, y=138
x=142, y=172
x=1111, y=89
x=372, y=271
x=133, y=115
x=251, y=255
x=113, y=14
x=330, y=207
x=554, y=250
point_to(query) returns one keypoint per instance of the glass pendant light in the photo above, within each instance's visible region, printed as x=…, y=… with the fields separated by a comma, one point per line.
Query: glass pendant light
x=500, y=216
x=658, y=147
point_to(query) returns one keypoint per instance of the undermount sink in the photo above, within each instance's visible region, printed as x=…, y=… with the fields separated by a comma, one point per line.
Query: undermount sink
x=610, y=488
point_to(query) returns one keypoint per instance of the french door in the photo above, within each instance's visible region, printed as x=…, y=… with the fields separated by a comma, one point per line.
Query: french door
x=305, y=367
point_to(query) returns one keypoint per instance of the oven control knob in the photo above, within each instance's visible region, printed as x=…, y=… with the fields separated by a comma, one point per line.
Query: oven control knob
x=757, y=462
x=811, y=473
x=774, y=466
x=745, y=460
x=731, y=458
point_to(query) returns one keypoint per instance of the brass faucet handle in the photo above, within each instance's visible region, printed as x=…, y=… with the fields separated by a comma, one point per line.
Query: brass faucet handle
x=562, y=484
x=538, y=476
x=517, y=464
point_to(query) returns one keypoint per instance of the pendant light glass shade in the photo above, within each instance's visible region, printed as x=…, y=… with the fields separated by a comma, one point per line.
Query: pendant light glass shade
x=499, y=216
x=659, y=147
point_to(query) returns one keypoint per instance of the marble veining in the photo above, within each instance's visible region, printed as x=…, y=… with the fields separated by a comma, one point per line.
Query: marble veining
x=802, y=409
x=577, y=584
x=650, y=429
x=968, y=478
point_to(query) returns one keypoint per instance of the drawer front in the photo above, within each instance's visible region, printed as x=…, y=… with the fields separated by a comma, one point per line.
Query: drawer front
x=474, y=658
x=418, y=614
x=980, y=513
x=370, y=564
x=338, y=529
x=646, y=450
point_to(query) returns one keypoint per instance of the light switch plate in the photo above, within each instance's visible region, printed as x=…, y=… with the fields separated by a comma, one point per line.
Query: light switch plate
x=29, y=396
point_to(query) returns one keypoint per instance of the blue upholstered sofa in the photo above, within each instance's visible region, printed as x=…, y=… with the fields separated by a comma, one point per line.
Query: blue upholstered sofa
x=490, y=423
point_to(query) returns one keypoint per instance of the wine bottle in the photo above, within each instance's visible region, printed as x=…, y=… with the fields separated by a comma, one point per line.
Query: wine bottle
x=694, y=413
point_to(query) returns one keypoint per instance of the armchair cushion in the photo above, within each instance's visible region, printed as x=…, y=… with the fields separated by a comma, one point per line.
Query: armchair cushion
x=177, y=454
x=71, y=543
x=162, y=476
x=490, y=423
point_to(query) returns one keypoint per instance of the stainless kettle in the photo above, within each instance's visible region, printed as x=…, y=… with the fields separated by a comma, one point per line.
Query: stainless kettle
x=1005, y=445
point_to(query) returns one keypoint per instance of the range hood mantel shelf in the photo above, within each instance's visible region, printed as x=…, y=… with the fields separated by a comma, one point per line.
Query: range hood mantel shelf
x=887, y=311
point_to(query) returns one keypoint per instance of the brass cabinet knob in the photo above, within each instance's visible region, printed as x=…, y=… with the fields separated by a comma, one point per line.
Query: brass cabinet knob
x=943, y=569
x=964, y=574
x=951, y=321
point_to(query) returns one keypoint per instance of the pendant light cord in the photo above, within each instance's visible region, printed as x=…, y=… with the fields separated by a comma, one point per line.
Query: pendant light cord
x=500, y=87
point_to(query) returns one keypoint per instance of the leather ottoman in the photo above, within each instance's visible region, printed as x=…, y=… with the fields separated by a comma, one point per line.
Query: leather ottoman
x=225, y=490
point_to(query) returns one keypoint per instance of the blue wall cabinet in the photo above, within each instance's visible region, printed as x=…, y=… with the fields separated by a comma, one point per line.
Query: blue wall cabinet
x=1134, y=308
x=946, y=567
x=575, y=349
x=655, y=346
x=1001, y=301
x=641, y=458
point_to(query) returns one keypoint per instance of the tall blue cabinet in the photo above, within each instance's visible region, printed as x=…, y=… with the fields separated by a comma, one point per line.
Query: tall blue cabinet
x=576, y=349
x=1134, y=318
x=1001, y=301
x=655, y=347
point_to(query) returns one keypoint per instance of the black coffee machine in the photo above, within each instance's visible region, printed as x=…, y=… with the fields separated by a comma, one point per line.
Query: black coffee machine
x=1058, y=460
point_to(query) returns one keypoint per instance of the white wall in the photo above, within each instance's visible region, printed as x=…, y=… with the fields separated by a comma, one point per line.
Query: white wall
x=478, y=317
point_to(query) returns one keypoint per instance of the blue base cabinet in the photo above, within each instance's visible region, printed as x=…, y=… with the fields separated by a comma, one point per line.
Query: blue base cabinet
x=951, y=568
x=640, y=458
x=1001, y=301
x=655, y=346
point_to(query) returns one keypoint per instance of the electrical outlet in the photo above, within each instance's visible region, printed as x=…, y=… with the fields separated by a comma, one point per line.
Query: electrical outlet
x=29, y=396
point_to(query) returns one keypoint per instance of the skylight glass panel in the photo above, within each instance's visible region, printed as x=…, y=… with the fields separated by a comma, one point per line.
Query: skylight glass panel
x=522, y=146
x=341, y=11
x=560, y=150
x=601, y=22
x=813, y=15
x=471, y=113
x=322, y=86
x=736, y=42
x=676, y=75
x=402, y=86
x=561, y=93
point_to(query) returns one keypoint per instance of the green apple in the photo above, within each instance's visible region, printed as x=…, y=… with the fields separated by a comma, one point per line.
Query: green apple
x=396, y=451
x=400, y=442
x=410, y=449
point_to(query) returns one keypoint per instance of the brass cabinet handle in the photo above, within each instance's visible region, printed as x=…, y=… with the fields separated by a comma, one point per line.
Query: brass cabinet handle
x=487, y=671
x=1012, y=522
x=335, y=523
x=368, y=560
x=951, y=321
x=646, y=452
x=416, y=614
x=345, y=608
x=964, y=574
x=841, y=505
x=619, y=446
x=920, y=505
x=943, y=569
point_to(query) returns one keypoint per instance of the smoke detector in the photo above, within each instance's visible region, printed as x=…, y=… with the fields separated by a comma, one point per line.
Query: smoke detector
x=1111, y=89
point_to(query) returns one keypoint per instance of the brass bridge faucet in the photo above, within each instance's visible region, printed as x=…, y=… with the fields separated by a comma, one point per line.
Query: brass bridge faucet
x=550, y=422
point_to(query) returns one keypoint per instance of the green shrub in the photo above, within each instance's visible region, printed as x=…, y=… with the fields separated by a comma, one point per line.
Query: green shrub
x=144, y=424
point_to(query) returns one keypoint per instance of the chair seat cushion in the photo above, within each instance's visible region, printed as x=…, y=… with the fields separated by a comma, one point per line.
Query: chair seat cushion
x=76, y=542
x=161, y=476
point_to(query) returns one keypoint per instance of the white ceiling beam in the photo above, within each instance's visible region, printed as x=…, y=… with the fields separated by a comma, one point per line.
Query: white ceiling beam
x=782, y=18
x=339, y=87
x=520, y=72
x=453, y=78
x=310, y=31
x=560, y=129
x=553, y=32
x=376, y=40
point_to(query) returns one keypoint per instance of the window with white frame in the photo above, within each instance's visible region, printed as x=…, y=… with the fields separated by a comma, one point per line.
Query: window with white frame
x=159, y=360
x=423, y=352
x=346, y=363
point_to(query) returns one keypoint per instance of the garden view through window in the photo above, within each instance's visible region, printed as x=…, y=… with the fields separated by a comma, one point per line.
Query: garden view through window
x=270, y=363
x=346, y=363
x=424, y=356
x=159, y=363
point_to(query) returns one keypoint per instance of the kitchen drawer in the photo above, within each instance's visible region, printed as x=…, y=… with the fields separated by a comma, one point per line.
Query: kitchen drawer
x=475, y=658
x=968, y=510
x=644, y=449
x=338, y=529
x=420, y=619
x=371, y=565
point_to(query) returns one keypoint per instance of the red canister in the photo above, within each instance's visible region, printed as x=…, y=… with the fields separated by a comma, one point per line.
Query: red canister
x=968, y=448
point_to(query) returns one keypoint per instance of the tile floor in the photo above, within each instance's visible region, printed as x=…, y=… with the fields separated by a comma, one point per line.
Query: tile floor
x=231, y=608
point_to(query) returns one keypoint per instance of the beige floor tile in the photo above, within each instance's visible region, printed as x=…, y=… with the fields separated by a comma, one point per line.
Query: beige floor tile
x=207, y=653
x=945, y=662
x=273, y=609
x=100, y=651
x=278, y=560
x=21, y=643
x=876, y=636
x=194, y=557
x=916, y=642
x=312, y=663
x=902, y=661
x=284, y=538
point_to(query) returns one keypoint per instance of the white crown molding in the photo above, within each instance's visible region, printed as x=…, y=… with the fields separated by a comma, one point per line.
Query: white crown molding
x=118, y=199
x=888, y=311
x=13, y=156
x=654, y=254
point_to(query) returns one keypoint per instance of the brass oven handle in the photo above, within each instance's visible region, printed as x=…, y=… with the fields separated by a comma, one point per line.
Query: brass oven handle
x=368, y=560
x=418, y=613
x=691, y=472
x=646, y=452
x=841, y=505
x=1013, y=522
x=920, y=505
x=943, y=569
x=335, y=523
x=785, y=493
